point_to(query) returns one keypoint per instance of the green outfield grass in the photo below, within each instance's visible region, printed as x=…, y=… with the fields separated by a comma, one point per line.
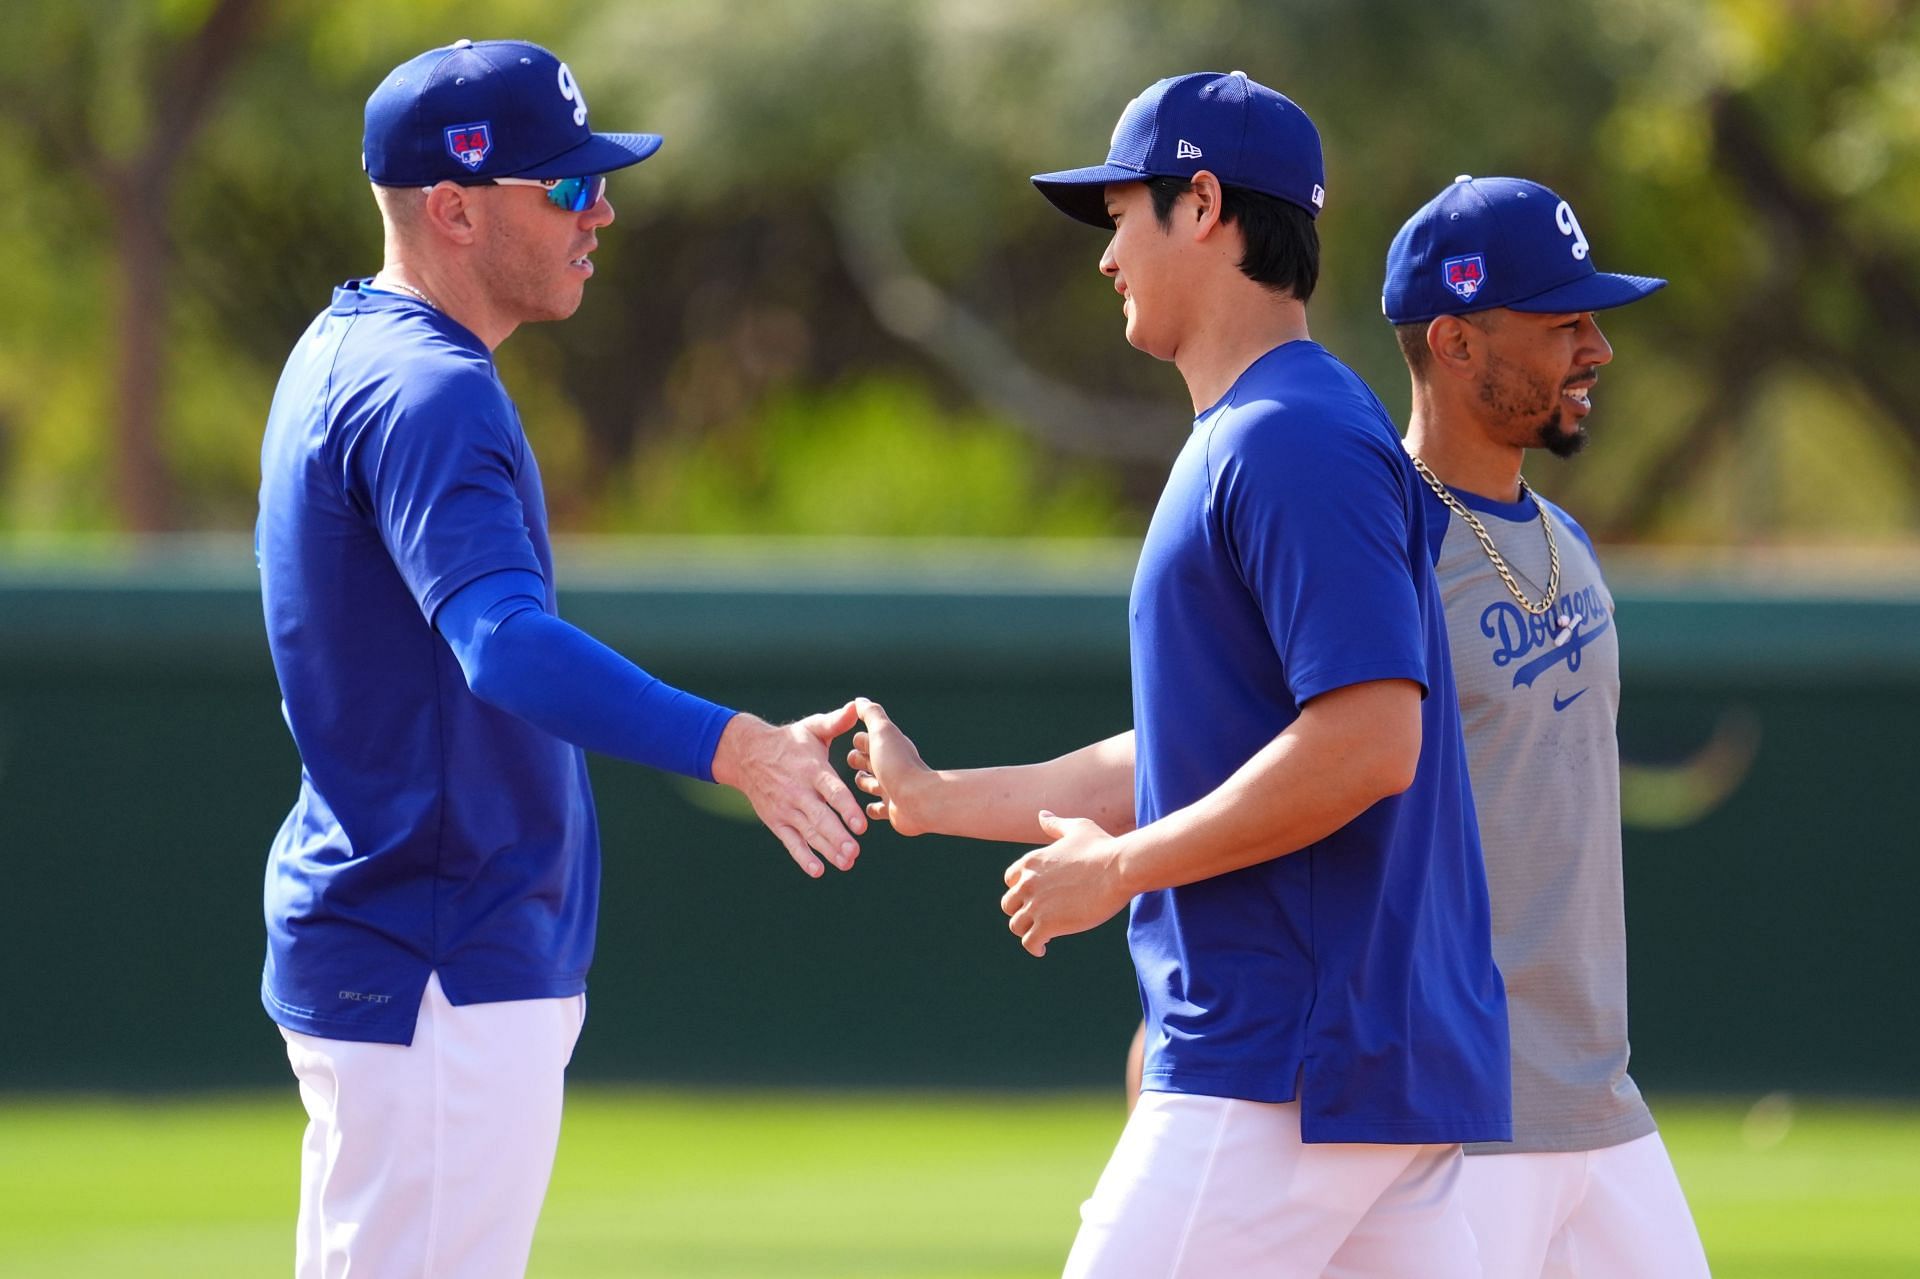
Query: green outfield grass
x=756, y=1186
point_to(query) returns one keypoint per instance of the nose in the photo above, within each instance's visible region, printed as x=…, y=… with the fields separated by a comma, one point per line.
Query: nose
x=599, y=215
x=1595, y=350
x=1109, y=266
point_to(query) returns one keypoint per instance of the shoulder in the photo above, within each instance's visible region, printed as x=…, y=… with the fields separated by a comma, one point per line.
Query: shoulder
x=1305, y=420
x=425, y=365
x=1307, y=395
x=1559, y=516
x=403, y=367
x=414, y=404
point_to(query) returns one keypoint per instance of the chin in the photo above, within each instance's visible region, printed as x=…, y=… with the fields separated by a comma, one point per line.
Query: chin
x=1563, y=439
x=558, y=307
x=1141, y=340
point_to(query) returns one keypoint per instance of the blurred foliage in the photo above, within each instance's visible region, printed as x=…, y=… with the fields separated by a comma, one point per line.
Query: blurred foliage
x=863, y=460
x=735, y=367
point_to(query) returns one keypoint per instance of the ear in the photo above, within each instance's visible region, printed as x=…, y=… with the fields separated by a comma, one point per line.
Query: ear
x=453, y=213
x=1455, y=346
x=1206, y=204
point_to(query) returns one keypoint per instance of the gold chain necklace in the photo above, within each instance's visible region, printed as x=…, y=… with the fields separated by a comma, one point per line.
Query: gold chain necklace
x=404, y=287
x=1564, y=621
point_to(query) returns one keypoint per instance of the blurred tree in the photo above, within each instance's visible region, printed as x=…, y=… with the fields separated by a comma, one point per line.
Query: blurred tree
x=120, y=114
x=1768, y=154
x=843, y=198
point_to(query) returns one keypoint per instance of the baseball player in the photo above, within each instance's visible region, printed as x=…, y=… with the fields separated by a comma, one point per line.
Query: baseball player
x=1491, y=288
x=1289, y=817
x=431, y=898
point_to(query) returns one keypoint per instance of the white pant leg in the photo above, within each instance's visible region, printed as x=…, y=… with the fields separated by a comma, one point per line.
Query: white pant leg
x=1217, y=1188
x=1633, y=1219
x=1616, y=1213
x=1516, y=1205
x=431, y=1159
x=1418, y=1225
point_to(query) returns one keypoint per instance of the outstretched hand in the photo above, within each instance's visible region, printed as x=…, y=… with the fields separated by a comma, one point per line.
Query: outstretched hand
x=786, y=774
x=886, y=764
x=1070, y=886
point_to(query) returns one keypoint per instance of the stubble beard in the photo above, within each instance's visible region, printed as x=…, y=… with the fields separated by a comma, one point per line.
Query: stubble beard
x=526, y=287
x=1513, y=396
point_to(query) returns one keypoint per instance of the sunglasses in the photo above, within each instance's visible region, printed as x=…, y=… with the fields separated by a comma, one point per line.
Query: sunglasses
x=575, y=195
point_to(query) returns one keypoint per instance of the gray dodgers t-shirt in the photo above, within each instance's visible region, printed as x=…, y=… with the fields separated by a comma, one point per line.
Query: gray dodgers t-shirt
x=1545, y=765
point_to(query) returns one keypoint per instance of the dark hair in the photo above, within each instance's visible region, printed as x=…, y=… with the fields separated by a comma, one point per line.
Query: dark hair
x=1412, y=337
x=1282, y=244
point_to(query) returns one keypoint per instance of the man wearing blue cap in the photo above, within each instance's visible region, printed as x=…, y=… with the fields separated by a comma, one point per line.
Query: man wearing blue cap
x=1492, y=288
x=1290, y=817
x=431, y=898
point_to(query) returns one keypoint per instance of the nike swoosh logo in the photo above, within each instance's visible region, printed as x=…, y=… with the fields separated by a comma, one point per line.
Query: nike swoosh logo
x=1559, y=705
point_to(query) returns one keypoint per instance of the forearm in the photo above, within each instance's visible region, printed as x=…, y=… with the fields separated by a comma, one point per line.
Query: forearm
x=1332, y=764
x=1004, y=803
x=522, y=660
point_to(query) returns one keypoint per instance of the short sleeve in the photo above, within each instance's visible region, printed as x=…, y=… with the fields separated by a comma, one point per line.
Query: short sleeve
x=1316, y=515
x=435, y=474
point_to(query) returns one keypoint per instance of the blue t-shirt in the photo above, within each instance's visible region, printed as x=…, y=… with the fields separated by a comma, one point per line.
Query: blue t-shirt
x=432, y=831
x=1288, y=558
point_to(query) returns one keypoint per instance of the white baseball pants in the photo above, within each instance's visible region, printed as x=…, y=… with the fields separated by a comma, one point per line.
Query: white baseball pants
x=1217, y=1188
x=1617, y=1213
x=430, y=1160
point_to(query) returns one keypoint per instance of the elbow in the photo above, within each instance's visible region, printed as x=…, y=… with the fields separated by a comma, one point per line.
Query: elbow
x=483, y=679
x=489, y=678
x=491, y=653
x=1395, y=762
x=1397, y=773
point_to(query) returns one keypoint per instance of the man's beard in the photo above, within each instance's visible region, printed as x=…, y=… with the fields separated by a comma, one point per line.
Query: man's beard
x=1556, y=439
x=1520, y=398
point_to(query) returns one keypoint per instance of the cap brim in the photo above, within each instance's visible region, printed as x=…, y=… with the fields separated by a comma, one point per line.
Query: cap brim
x=1595, y=292
x=1081, y=194
x=600, y=153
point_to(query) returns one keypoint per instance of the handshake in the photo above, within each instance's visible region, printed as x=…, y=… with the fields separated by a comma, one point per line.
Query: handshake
x=1076, y=881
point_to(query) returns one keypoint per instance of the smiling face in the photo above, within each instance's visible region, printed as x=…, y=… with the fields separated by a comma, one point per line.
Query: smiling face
x=1537, y=376
x=1149, y=269
x=534, y=264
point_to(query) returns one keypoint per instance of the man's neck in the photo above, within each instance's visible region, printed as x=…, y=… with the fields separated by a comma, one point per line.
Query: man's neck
x=447, y=292
x=1457, y=449
x=1230, y=337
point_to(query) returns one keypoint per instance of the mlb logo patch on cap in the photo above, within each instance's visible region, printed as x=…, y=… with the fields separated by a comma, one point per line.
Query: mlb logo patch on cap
x=470, y=143
x=1465, y=275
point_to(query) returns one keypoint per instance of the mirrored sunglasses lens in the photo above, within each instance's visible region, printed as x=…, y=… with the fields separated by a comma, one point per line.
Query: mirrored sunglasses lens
x=577, y=195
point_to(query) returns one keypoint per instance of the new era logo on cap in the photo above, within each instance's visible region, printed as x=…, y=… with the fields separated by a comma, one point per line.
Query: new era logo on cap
x=1242, y=132
x=1498, y=242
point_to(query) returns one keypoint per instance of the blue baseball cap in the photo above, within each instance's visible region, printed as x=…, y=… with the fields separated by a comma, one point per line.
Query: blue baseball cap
x=1242, y=132
x=487, y=109
x=1498, y=242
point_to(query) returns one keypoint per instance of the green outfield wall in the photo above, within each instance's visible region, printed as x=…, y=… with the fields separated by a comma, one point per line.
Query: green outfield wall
x=1773, y=869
